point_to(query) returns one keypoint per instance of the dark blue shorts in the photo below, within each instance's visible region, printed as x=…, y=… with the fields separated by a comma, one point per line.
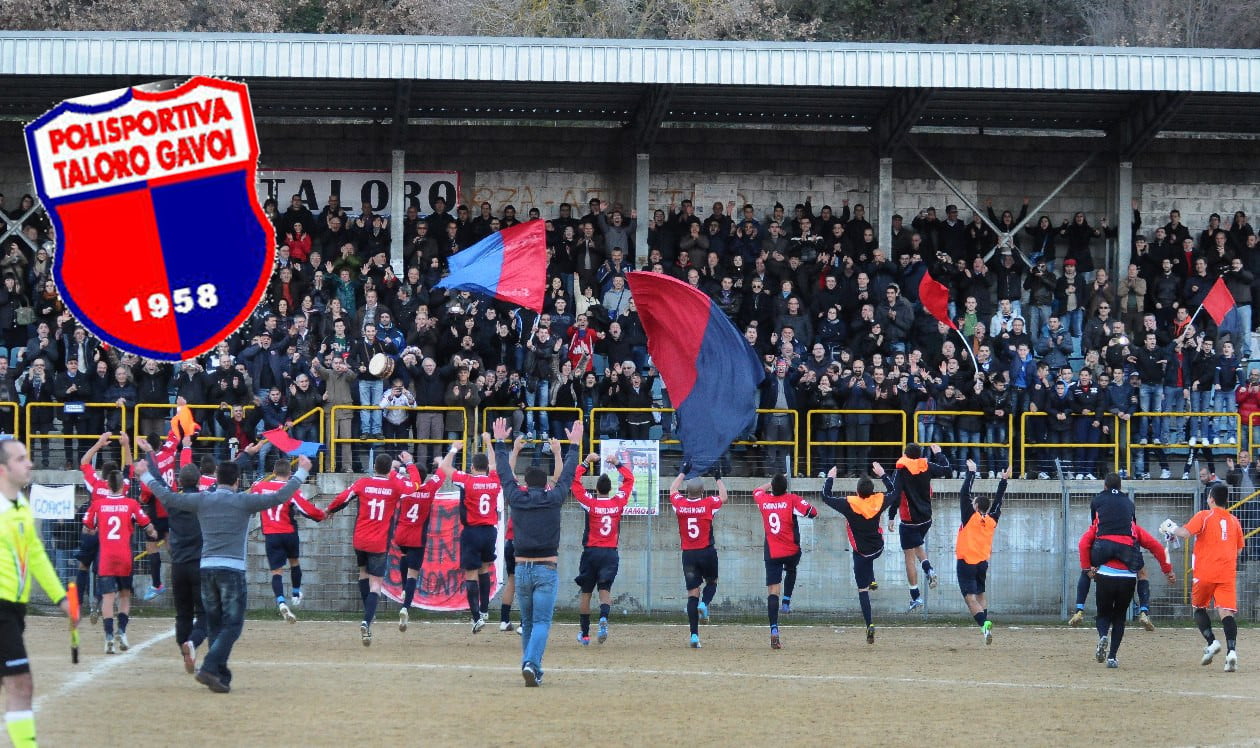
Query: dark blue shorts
x=412, y=556
x=864, y=569
x=108, y=585
x=699, y=566
x=597, y=568
x=373, y=563
x=971, y=577
x=281, y=547
x=509, y=557
x=913, y=536
x=476, y=546
x=89, y=548
x=776, y=566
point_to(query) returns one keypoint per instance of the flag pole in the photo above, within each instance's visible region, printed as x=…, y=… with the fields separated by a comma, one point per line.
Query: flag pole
x=974, y=364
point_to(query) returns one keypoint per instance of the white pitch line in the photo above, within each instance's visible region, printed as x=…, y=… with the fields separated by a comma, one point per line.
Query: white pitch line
x=765, y=676
x=84, y=677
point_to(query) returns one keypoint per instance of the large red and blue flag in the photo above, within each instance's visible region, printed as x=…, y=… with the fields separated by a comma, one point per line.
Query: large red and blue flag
x=162, y=247
x=710, y=371
x=510, y=265
x=290, y=446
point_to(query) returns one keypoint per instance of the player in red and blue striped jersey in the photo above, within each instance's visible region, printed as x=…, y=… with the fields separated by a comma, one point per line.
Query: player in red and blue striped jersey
x=413, y=527
x=779, y=510
x=600, y=535
x=280, y=535
x=695, y=513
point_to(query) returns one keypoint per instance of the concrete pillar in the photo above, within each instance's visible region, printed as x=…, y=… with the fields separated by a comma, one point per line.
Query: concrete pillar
x=397, y=209
x=642, y=176
x=1124, y=217
x=883, y=195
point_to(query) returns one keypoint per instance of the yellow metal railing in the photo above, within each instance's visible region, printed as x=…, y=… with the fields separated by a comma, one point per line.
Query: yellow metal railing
x=335, y=440
x=1113, y=445
x=13, y=409
x=122, y=416
x=1236, y=434
x=796, y=435
x=489, y=413
x=593, y=422
x=809, y=433
x=205, y=435
x=1008, y=445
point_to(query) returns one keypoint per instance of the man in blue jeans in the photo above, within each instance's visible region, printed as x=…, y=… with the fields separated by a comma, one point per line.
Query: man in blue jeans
x=224, y=515
x=536, y=527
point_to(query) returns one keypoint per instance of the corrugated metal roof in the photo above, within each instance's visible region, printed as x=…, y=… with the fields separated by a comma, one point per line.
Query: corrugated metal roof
x=567, y=61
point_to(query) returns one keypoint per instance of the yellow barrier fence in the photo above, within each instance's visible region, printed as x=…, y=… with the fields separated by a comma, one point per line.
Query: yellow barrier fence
x=1113, y=445
x=796, y=435
x=13, y=409
x=60, y=407
x=205, y=435
x=334, y=440
x=592, y=425
x=1233, y=437
x=809, y=433
x=489, y=413
x=1008, y=445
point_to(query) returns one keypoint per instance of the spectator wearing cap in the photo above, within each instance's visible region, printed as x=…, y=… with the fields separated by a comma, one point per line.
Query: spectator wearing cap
x=263, y=363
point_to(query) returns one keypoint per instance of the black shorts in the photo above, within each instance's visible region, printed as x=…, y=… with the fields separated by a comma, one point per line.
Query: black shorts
x=597, y=568
x=110, y=585
x=971, y=577
x=699, y=566
x=89, y=548
x=281, y=547
x=1103, y=551
x=776, y=566
x=864, y=569
x=374, y=563
x=476, y=546
x=13, y=660
x=509, y=558
x=412, y=556
x=913, y=536
x=162, y=525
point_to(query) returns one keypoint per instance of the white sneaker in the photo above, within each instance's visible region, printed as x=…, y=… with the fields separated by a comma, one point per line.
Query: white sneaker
x=1231, y=662
x=1100, y=653
x=1216, y=440
x=365, y=633
x=1165, y=474
x=506, y=626
x=123, y=645
x=478, y=625
x=1185, y=475
x=932, y=580
x=403, y=617
x=1192, y=441
x=1080, y=476
x=1157, y=441
x=1210, y=651
x=1142, y=441
x=296, y=599
x=285, y=613
x=109, y=646
x=190, y=657
x=1090, y=476
x=1043, y=476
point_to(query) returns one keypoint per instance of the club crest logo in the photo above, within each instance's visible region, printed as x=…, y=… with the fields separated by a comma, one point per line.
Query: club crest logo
x=162, y=247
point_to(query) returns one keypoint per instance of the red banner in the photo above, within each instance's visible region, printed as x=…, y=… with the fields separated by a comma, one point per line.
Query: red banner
x=441, y=582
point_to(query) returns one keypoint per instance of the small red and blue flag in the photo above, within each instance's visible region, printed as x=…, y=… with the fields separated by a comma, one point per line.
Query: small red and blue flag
x=711, y=372
x=509, y=265
x=290, y=446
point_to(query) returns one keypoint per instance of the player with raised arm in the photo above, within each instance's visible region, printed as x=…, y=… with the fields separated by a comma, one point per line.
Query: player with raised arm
x=89, y=543
x=509, y=539
x=782, y=548
x=866, y=537
x=378, y=497
x=601, y=533
x=1218, y=537
x=111, y=517
x=974, y=545
x=413, y=526
x=1114, y=583
x=695, y=513
x=162, y=461
x=910, y=498
x=479, y=518
x=1114, y=541
x=280, y=535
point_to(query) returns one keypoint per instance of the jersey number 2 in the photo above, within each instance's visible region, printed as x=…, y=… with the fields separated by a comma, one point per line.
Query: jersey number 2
x=115, y=526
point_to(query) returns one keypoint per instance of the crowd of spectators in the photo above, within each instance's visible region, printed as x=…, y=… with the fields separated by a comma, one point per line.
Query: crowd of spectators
x=829, y=305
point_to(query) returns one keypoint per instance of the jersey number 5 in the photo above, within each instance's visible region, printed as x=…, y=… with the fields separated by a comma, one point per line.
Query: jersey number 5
x=693, y=527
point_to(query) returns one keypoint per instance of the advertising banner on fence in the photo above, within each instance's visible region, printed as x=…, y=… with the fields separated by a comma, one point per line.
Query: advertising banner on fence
x=441, y=582
x=644, y=457
x=421, y=189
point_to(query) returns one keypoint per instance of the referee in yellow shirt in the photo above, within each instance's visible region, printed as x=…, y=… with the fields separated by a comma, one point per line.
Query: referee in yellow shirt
x=22, y=557
x=975, y=545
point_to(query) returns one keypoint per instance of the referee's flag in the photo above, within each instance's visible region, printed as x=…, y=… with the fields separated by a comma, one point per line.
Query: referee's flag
x=711, y=372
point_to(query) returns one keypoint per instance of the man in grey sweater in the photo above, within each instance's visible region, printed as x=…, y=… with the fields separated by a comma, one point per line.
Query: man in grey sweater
x=224, y=515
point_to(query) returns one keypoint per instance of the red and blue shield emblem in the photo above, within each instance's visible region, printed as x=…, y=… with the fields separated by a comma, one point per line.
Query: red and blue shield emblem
x=162, y=247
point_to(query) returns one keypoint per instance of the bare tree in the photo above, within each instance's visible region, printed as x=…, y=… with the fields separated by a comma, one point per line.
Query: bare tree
x=1172, y=23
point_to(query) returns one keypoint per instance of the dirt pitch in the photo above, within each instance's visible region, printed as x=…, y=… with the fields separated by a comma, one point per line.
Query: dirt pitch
x=315, y=684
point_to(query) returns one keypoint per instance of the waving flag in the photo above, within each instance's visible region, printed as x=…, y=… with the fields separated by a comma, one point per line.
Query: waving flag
x=934, y=297
x=510, y=265
x=710, y=370
x=291, y=446
x=1219, y=301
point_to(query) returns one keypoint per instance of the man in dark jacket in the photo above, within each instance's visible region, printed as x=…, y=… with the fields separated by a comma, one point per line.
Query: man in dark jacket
x=536, y=527
x=913, y=483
